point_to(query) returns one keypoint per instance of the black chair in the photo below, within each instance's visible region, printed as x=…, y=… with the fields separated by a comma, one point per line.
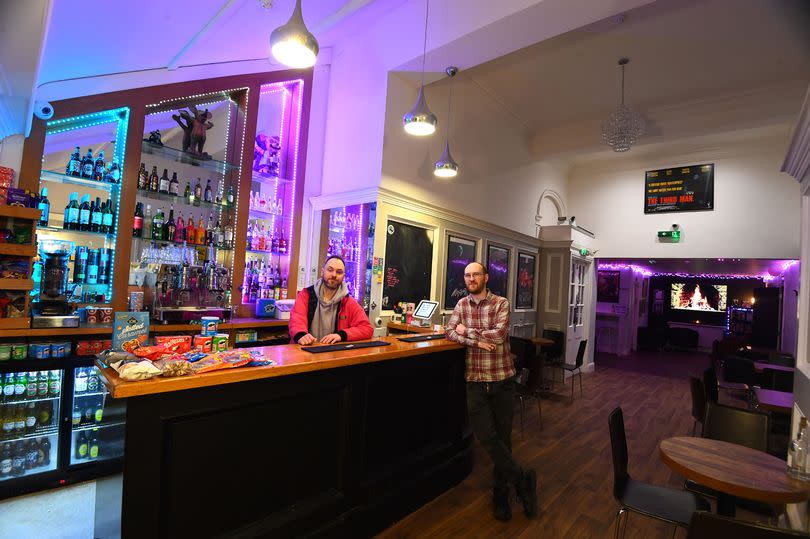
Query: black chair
x=740, y=370
x=576, y=368
x=777, y=379
x=698, y=403
x=527, y=381
x=710, y=385
x=554, y=353
x=711, y=526
x=662, y=503
x=782, y=358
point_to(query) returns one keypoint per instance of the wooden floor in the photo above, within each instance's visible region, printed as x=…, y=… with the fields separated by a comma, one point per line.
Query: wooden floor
x=573, y=461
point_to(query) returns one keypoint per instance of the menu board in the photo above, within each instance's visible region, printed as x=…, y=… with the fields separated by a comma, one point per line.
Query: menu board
x=679, y=189
x=408, y=263
x=460, y=253
x=498, y=268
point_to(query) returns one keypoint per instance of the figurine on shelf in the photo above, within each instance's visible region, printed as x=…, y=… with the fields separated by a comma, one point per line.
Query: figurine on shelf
x=194, y=130
x=154, y=138
x=266, y=154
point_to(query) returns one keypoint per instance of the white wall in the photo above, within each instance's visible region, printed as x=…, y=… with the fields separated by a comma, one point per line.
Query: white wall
x=756, y=207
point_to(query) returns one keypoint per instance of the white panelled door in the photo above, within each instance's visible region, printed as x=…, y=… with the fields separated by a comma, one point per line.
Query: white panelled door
x=577, y=294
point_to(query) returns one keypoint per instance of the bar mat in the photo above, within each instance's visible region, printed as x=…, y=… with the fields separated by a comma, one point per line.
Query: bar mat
x=343, y=346
x=420, y=338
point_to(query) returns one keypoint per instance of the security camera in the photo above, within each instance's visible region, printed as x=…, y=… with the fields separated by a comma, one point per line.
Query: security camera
x=674, y=226
x=43, y=110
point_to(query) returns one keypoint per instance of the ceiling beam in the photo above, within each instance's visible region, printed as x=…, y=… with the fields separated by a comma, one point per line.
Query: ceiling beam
x=174, y=63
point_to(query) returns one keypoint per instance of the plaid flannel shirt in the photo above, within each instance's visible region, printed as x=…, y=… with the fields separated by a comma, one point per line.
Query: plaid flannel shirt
x=488, y=321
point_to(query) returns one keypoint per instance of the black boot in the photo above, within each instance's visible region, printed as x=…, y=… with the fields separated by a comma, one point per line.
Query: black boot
x=500, y=496
x=527, y=492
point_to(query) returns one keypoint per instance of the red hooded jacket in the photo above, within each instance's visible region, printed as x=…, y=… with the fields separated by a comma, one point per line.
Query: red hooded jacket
x=351, y=322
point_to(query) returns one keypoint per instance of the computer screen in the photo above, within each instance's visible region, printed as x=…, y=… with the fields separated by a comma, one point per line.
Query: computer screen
x=425, y=309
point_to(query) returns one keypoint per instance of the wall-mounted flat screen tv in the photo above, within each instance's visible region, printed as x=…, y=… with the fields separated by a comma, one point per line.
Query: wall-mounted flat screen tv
x=699, y=296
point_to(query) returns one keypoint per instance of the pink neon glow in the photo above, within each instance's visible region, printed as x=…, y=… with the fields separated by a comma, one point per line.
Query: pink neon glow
x=297, y=137
x=359, y=263
x=636, y=269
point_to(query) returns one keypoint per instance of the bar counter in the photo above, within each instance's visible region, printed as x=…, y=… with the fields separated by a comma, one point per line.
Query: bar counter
x=332, y=444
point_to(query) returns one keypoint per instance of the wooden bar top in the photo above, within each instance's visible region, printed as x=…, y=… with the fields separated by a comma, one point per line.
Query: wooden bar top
x=288, y=358
x=408, y=328
x=233, y=323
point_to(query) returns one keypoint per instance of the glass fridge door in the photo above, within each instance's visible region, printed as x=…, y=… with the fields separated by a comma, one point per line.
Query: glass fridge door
x=350, y=235
x=29, y=412
x=97, y=424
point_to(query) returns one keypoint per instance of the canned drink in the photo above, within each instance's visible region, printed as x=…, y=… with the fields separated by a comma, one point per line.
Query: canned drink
x=19, y=350
x=39, y=350
x=5, y=352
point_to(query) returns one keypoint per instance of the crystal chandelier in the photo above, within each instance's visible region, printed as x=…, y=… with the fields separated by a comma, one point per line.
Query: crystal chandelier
x=624, y=126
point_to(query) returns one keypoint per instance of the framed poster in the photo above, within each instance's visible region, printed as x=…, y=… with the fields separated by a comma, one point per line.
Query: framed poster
x=460, y=252
x=498, y=268
x=679, y=189
x=408, y=263
x=524, y=291
x=607, y=286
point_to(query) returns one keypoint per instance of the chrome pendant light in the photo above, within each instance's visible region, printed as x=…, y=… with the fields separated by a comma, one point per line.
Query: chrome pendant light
x=446, y=167
x=419, y=121
x=621, y=130
x=293, y=44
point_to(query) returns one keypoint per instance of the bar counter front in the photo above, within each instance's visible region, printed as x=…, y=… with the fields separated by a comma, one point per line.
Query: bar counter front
x=331, y=444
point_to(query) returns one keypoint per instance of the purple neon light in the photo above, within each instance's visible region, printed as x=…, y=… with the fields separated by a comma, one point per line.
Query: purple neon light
x=636, y=269
x=358, y=264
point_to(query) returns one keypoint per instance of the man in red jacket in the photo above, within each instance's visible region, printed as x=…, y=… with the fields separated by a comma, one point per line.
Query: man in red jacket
x=325, y=313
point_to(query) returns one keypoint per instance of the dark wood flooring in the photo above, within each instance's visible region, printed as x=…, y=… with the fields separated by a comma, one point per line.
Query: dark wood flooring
x=573, y=461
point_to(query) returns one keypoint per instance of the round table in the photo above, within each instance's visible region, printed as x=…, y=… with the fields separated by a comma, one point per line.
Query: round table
x=732, y=470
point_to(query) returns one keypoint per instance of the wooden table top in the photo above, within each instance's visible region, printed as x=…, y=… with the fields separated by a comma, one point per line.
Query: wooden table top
x=409, y=328
x=775, y=401
x=541, y=341
x=733, y=469
x=288, y=358
x=759, y=366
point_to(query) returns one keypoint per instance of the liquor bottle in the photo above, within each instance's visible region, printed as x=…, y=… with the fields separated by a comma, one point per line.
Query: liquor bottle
x=107, y=216
x=137, y=225
x=81, y=382
x=157, y=226
x=249, y=238
x=246, y=283
x=71, y=219
x=81, y=446
x=187, y=193
x=93, y=445
x=174, y=185
x=191, y=232
x=148, y=231
x=95, y=216
x=197, y=193
x=42, y=384
x=261, y=245
x=251, y=202
x=80, y=264
x=179, y=229
x=171, y=227
x=92, y=266
x=103, y=265
x=54, y=384
x=44, y=205
x=74, y=165
x=102, y=227
x=273, y=242
x=210, y=237
x=98, y=167
x=114, y=173
x=154, y=181
x=88, y=165
x=143, y=178
x=208, y=196
x=254, y=238
x=282, y=244
x=84, y=213
x=229, y=198
x=200, y=231
x=30, y=417
x=219, y=236
x=797, y=452
x=228, y=235
x=163, y=186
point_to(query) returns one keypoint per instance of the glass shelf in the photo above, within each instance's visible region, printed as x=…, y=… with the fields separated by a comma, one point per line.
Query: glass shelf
x=57, y=230
x=26, y=401
x=261, y=177
x=48, y=431
x=97, y=426
x=189, y=245
x=257, y=252
x=173, y=154
x=176, y=199
x=56, y=177
x=259, y=214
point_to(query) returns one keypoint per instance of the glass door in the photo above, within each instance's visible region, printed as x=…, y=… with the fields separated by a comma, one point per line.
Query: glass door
x=97, y=422
x=29, y=414
x=350, y=235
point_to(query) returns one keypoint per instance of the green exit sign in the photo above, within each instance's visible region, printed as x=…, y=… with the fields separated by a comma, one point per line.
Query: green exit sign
x=671, y=235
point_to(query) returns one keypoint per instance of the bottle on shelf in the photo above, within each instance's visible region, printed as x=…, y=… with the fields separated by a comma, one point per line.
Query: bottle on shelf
x=20, y=383
x=42, y=384
x=137, y=225
x=154, y=180
x=187, y=194
x=98, y=167
x=158, y=233
x=93, y=445
x=143, y=178
x=179, y=229
x=92, y=266
x=31, y=386
x=191, y=232
x=45, y=413
x=103, y=227
x=88, y=165
x=282, y=244
x=54, y=383
x=200, y=236
x=114, y=173
x=81, y=382
x=219, y=235
x=103, y=265
x=174, y=185
x=228, y=233
x=81, y=446
x=148, y=229
x=76, y=417
x=797, y=453
x=208, y=195
x=198, y=193
x=95, y=216
x=229, y=198
x=74, y=164
x=44, y=205
x=209, y=231
x=84, y=214
x=5, y=460
x=30, y=417
x=108, y=217
x=171, y=227
x=163, y=185
x=80, y=264
x=71, y=219
x=19, y=420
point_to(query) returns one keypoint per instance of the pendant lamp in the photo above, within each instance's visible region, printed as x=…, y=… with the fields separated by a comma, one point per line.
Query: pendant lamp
x=419, y=121
x=292, y=44
x=624, y=126
x=446, y=167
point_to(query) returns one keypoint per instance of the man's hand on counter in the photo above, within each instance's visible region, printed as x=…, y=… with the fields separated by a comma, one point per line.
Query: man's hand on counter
x=306, y=339
x=332, y=338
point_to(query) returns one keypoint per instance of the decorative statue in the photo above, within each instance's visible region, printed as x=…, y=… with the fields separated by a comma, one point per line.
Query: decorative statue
x=266, y=154
x=154, y=138
x=194, y=129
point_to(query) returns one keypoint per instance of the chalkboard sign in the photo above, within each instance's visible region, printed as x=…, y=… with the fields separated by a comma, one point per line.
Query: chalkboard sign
x=498, y=268
x=679, y=189
x=408, y=263
x=460, y=252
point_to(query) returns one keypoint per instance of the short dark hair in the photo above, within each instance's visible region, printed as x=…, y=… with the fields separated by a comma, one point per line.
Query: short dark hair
x=333, y=257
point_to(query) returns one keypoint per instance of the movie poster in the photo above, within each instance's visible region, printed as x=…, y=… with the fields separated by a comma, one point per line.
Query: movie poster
x=460, y=253
x=679, y=189
x=524, y=291
x=498, y=268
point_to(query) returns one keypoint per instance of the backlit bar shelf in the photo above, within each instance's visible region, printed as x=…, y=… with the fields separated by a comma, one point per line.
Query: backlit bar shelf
x=174, y=154
x=56, y=177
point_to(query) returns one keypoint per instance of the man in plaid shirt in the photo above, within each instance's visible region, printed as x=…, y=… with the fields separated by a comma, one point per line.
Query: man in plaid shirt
x=480, y=321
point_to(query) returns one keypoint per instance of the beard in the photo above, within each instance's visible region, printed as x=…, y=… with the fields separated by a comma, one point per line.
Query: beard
x=332, y=284
x=476, y=288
